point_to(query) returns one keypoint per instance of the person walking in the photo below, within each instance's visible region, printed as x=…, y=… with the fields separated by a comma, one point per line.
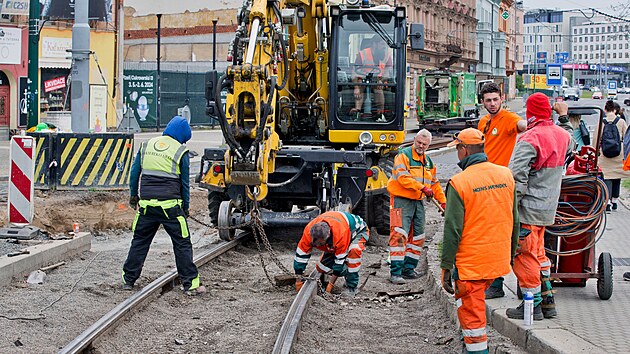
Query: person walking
x=160, y=173
x=342, y=236
x=611, y=152
x=537, y=168
x=478, y=245
x=500, y=128
x=414, y=177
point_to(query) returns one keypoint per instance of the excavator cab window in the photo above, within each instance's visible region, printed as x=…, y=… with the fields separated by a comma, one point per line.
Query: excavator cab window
x=366, y=71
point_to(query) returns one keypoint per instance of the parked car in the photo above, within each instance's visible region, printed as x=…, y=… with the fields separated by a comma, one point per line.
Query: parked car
x=624, y=90
x=626, y=101
x=571, y=93
x=597, y=95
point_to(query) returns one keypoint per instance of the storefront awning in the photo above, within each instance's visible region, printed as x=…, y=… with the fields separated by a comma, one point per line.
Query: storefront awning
x=55, y=63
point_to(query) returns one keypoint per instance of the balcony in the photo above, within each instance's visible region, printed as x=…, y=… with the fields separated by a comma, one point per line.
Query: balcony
x=484, y=27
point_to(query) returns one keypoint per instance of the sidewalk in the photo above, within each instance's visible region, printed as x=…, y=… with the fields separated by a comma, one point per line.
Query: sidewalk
x=585, y=324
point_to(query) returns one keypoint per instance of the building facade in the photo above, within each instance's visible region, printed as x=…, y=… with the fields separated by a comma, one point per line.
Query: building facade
x=546, y=33
x=490, y=42
x=512, y=26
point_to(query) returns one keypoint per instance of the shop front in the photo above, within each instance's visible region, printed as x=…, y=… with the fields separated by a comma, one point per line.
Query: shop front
x=13, y=72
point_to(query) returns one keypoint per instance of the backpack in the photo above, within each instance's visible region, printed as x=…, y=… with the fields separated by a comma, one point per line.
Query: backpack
x=586, y=136
x=611, y=139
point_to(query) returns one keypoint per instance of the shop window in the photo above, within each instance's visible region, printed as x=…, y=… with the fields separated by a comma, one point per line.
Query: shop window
x=55, y=90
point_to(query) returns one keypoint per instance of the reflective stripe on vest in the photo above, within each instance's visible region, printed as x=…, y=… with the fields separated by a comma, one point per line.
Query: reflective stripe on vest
x=161, y=157
x=367, y=59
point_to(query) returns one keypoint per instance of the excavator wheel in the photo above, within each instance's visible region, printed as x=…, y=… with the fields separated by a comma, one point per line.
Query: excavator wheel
x=224, y=221
x=214, y=201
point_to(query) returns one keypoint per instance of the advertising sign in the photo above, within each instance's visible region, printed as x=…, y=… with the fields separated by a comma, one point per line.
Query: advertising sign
x=98, y=108
x=10, y=45
x=540, y=80
x=17, y=7
x=55, y=84
x=541, y=57
x=23, y=92
x=554, y=74
x=562, y=57
x=64, y=9
x=140, y=95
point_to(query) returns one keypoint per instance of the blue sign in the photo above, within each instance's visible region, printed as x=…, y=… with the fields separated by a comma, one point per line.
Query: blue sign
x=554, y=74
x=612, y=85
x=562, y=57
x=541, y=57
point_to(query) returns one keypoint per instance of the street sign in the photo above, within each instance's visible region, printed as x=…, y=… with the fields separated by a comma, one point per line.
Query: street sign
x=554, y=74
x=562, y=57
x=541, y=57
x=612, y=85
x=505, y=15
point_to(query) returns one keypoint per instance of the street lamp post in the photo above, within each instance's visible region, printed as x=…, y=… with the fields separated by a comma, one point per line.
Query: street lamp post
x=214, y=43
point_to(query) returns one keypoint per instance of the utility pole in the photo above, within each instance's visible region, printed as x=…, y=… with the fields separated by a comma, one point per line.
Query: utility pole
x=159, y=79
x=214, y=43
x=33, y=64
x=80, y=69
x=536, y=55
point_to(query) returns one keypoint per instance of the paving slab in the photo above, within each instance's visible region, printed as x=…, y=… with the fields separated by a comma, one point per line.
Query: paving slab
x=42, y=255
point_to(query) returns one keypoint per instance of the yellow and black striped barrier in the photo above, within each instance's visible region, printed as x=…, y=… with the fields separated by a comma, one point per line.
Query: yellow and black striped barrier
x=83, y=161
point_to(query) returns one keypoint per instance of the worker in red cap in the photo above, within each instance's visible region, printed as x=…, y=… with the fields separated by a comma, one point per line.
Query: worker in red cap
x=500, y=128
x=537, y=168
x=471, y=233
x=414, y=178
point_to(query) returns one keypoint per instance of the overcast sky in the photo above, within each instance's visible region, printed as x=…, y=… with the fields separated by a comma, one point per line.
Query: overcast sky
x=573, y=4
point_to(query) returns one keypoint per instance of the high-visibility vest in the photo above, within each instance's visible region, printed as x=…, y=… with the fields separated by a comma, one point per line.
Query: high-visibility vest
x=487, y=191
x=161, y=157
x=408, y=164
x=367, y=59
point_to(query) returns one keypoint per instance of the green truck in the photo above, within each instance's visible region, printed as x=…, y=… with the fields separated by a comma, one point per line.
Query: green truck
x=447, y=101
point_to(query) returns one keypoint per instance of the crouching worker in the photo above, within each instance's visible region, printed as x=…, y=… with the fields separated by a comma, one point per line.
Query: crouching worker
x=480, y=234
x=342, y=237
x=162, y=170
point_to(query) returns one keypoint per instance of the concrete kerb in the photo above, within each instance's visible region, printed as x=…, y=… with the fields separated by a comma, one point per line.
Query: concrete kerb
x=544, y=336
x=42, y=255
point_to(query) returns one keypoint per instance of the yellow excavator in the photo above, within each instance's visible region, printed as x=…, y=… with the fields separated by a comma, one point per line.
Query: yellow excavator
x=314, y=109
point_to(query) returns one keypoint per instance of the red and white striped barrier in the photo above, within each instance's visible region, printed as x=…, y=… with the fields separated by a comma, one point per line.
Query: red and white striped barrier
x=21, y=180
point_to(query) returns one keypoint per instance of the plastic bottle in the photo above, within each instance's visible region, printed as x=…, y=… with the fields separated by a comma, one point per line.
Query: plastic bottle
x=528, y=309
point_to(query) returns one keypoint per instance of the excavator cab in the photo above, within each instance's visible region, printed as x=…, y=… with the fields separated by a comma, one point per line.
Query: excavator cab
x=368, y=50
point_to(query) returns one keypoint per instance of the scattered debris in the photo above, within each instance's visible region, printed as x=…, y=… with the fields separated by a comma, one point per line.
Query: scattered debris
x=52, y=266
x=404, y=292
x=20, y=252
x=366, y=279
x=179, y=342
x=18, y=343
x=284, y=279
x=376, y=265
x=444, y=341
x=36, y=277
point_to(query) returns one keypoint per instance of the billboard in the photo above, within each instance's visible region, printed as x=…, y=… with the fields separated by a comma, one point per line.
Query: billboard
x=539, y=79
x=17, y=7
x=140, y=96
x=64, y=9
x=10, y=45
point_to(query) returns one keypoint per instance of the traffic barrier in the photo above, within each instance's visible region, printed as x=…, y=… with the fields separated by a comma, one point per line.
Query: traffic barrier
x=21, y=180
x=83, y=161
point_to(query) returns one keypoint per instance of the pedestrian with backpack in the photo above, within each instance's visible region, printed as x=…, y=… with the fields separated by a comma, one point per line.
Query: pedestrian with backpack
x=611, y=152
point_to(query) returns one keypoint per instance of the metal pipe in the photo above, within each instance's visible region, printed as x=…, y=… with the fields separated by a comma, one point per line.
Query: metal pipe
x=251, y=46
x=159, y=81
x=214, y=44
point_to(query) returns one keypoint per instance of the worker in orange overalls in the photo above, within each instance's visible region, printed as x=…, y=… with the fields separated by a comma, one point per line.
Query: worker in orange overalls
x=500, y=129
x=374, y=64
x=481, y=219
x=537, y=168
x=414, y=177
x=342, y=237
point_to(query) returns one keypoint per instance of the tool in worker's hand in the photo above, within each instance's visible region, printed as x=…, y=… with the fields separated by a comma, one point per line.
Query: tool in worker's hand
x=438, y=206
x=18, y=253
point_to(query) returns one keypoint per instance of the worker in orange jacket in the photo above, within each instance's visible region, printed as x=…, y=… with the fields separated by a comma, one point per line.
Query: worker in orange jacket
x=414, y=177
x=373, y=64
x=342, y=237
x=481, y=219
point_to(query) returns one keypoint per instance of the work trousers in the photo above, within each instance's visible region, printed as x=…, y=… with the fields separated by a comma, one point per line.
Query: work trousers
x=352, y=263
x=146, y=224
x=530, y=262
x=406, y=235
x=471, y=312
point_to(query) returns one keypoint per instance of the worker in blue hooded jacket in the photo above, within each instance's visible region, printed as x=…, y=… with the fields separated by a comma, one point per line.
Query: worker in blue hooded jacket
x=161, y=168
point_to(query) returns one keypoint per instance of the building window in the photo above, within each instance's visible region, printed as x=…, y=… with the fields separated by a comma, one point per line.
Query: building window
x=608, y=56
x=592, y=55
x=580, y=56
x=481, y=52
x=575, y=31
x=575, y=48
x=626, y=55
x=592, y=30
x=591, y=47
x=614, y=55
x=626, y=45
x=614, y=45
x=591, y=38
x=596, y=56
x=580, y=31
x=498, y=58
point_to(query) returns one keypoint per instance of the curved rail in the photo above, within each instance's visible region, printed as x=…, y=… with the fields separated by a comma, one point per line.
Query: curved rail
x=161, y=285
x=293, y=321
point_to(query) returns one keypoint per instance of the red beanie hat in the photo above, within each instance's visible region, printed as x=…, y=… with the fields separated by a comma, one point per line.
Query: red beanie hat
x=538, y=107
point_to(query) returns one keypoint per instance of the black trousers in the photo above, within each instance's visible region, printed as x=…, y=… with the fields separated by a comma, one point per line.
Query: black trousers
x=147, y=222
x=614, y=187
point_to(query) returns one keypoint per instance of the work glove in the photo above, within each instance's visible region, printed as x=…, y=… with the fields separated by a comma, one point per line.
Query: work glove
x=330, y=287
x=447, y=283
x=443, y=206
x=133, y=202
x=298, y=283
x=427, y=191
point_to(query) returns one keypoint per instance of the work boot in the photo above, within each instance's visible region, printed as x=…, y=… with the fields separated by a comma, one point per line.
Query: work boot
x=127, y=286
x=413, y=274
x=518, y=313
x=397, y=279
x=196, y=291
x=626, y=276
x=493, y=292
x=614, y=206
x=608, y=207
x=350, y=292
x=548, y=306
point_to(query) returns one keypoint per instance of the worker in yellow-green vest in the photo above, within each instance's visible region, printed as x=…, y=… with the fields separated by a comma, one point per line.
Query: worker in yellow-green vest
x=161, y=168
